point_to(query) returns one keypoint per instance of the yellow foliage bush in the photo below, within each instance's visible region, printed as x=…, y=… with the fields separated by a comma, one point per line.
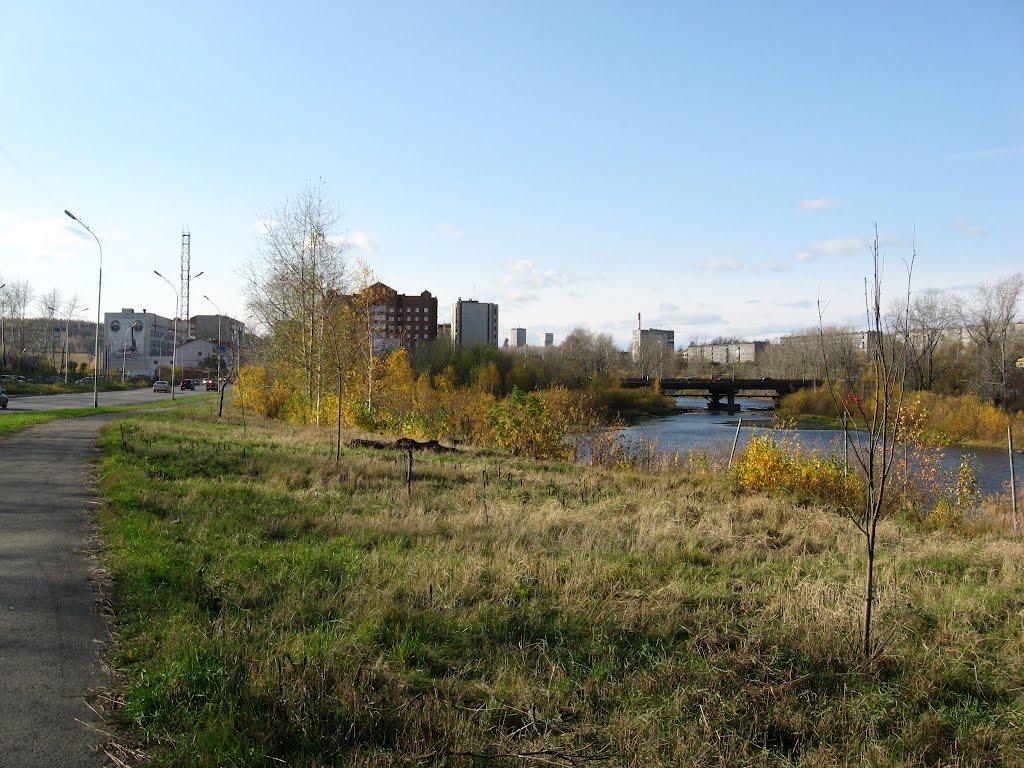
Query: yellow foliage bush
x=769, y=465
x=255, y=390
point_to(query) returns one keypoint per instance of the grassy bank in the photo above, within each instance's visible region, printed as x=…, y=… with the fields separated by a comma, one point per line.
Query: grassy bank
x=273, y=607
x=957, y=420
x=632, y=405
x=15, y=422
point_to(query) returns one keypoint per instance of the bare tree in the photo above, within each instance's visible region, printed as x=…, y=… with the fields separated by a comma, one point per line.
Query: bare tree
x=299, y=265
x=49, y=306
x=988, y=318
x=587, y=353
x=930, y=321
x=872, y=416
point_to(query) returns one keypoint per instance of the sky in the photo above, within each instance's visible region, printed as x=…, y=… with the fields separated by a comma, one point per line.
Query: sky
x=717, y=168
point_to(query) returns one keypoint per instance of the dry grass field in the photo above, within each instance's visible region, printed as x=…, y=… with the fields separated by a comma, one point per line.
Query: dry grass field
x=276, y=607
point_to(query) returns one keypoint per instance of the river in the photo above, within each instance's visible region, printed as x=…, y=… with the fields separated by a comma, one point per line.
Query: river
x=714, y=432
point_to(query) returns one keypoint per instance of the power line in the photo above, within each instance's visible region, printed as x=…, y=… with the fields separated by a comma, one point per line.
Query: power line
x=24, y=172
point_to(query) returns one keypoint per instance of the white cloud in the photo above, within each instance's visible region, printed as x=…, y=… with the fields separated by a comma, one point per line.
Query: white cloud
x=970, y=228
x=525, y=274
x=774, y=266
x=262, y=226
x=838, y=247
x=362, y=241
x=448, y=231
x=720, y=265
x=41, y=237
x=796, y=304
x=818, y=204
x=987, y=154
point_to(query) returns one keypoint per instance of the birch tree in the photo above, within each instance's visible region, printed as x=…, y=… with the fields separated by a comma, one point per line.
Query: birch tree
x=299, y=265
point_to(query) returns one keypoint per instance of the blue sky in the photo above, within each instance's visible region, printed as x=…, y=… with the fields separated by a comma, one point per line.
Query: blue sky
x=714, y=166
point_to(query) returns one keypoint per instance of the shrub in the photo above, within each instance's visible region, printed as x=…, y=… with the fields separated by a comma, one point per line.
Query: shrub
x=768, y=465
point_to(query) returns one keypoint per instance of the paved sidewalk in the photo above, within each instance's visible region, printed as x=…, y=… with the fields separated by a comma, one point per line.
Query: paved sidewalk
x=51, y=635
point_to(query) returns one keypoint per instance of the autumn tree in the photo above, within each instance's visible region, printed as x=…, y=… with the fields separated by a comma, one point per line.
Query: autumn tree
x=989, y=318
x=588, y=354
x=299, y=265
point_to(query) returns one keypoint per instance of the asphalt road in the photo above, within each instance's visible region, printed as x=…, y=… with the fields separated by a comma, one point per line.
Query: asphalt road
x=51, y=634
x=22, y=403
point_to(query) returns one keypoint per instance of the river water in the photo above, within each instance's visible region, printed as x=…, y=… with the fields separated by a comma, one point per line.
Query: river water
x=714, y=432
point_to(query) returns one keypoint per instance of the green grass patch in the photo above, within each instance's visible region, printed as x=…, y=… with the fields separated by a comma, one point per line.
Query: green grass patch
x=275, y=606
x=16, y=422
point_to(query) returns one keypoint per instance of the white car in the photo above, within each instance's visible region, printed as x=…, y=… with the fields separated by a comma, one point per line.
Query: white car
x=161, y=386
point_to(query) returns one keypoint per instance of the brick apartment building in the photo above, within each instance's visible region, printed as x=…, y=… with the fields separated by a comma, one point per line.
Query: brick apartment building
x=400, y=320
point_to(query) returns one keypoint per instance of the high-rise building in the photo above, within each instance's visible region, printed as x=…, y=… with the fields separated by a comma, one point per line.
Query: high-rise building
x=473, y=323
x=549, y=339
x=518, y=338
x=654, y=340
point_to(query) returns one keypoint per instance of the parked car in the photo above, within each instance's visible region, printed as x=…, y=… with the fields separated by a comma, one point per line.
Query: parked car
x=3, y=398
x=187, y=384
x=53, y=379
x=161, y=386
x=86, y=380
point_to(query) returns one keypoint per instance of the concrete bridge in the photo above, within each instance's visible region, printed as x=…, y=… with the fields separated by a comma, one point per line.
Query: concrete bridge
x=716, y=389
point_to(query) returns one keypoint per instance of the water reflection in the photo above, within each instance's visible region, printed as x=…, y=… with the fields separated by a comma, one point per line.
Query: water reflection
x=714, y=433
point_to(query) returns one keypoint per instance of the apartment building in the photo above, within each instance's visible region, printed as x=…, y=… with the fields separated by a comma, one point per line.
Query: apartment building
x=473, y=323
x=647, y=341
x=725, y=354
x=401, y=320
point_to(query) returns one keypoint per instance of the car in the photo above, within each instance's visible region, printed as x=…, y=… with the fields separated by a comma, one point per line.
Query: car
x=161, y=386
x=85, y=380
x=211, y=385
x=187, y=384
x=3, y=398
x=53, y=379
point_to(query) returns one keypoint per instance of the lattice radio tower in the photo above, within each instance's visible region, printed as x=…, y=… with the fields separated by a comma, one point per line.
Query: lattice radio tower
x=186, y=276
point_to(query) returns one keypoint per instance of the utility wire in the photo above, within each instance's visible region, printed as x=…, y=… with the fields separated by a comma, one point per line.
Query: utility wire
x=24, y=172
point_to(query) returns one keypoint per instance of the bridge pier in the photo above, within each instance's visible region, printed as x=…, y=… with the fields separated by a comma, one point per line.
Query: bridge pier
x=715, y=404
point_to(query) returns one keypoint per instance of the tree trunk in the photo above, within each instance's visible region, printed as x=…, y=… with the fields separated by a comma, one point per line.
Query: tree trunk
x=869, y=594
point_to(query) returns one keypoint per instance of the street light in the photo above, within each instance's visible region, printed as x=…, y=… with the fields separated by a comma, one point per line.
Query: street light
x=188, y=295
x=174, y=344
x=99, y=301
x=219, y=343
x=67, y=331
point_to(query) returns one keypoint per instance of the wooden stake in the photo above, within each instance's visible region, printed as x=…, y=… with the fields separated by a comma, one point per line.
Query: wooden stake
x=734, y=441
x=1013, y=480
x=408, y=475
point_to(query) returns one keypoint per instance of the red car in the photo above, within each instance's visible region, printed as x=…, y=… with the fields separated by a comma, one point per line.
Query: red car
x=211, y=385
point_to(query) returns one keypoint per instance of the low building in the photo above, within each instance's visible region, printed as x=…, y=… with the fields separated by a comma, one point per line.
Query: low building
x=724, y=354
x=137, y=343
x=214, y=327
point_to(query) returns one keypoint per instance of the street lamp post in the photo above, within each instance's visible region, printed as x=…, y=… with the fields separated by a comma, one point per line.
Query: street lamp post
x=67, y=334
x=99, y=301
x=174, y=343
x=188, y=284
x=219, y=343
